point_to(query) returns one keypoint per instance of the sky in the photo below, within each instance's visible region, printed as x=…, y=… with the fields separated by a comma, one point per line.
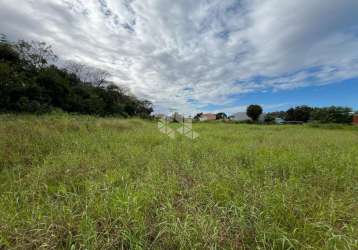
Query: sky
x=205, y=55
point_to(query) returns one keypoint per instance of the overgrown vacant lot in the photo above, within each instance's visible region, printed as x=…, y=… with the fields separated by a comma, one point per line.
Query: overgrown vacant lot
x=79, y=182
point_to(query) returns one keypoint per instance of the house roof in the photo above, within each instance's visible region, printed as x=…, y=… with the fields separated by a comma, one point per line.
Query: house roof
x=209, y=116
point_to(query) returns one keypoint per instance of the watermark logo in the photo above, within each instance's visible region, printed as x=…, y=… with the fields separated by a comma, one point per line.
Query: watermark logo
x=186, y=127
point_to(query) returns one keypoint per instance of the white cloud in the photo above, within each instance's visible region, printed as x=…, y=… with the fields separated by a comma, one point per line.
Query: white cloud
x=190, y=54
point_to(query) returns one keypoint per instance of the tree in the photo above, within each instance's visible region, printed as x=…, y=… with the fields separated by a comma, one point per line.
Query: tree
x=7, y=52
x=254, y=112
x=221, y=116
x=75, y=68
x=270, y=118
x=92, y=75
x=36, y=54
x=30, y=83
x=332, y=114
x=299, y=113
x=145, y=108
x=96, y=76
x=111, y=86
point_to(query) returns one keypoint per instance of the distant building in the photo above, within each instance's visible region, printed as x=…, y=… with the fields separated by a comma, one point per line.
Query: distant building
x=262, y=118
x=207, y=117
x=240, y=117
x=355, y=119
x=279, y=120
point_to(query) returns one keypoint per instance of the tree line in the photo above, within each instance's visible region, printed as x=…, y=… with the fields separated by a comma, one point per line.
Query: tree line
x=30, y=82
x=332, y=114
x=305, y=114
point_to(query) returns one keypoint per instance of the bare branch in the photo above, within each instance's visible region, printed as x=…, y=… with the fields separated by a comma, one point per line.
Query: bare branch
x=95, y=76
x=37, y=54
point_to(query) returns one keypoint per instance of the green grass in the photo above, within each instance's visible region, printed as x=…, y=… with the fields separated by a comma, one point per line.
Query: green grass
x=78, y=182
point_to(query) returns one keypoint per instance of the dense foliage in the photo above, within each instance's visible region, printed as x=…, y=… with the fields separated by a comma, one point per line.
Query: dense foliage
x=331, y=114
x=254, y=112
x=300, y=113
x=31, y=83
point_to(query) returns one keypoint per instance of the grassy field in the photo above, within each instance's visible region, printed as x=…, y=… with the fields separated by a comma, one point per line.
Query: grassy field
x=77, y=182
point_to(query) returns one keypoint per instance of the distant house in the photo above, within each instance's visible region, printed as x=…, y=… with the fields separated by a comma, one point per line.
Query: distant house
x=207, y=117
x=240, y=117
x=243, y=117
x=279, y=120
x=355, y=119
x=262, y=118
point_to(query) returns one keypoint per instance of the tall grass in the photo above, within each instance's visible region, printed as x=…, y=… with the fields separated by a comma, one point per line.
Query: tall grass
x=78, y=182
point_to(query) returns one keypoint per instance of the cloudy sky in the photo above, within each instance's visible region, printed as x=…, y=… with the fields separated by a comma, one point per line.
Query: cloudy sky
x=205, y=55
